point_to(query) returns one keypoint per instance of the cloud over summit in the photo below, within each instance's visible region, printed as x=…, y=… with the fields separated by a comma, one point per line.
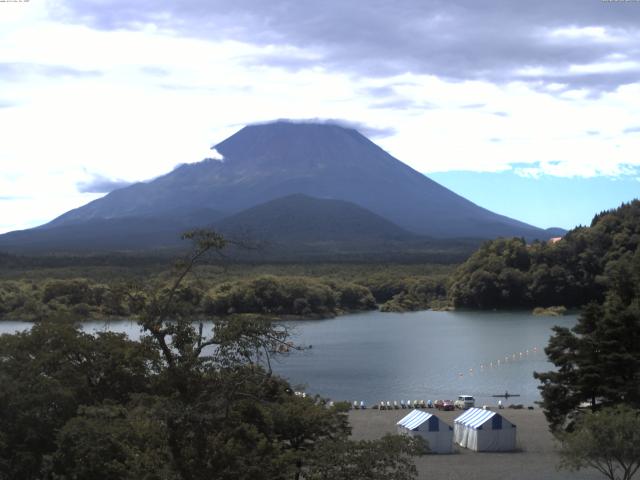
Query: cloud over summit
x=101, y=184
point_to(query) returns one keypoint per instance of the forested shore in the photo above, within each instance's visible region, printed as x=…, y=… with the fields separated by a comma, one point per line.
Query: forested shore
x=501, y=274
x=324, y=291
x=571, y=272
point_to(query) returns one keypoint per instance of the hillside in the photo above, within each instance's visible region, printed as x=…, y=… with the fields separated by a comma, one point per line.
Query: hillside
x=299, y=218
x=588, y=261
x=110, y=234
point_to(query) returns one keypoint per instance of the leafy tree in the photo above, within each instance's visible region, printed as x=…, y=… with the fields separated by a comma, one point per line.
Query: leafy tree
x=306, y=423
x=389, y=458
x=111, y=442
x=181, y=404
x=226, y=415
x=507, y=273
x=47, y=373
x=69, y=292
x=608, y=440
x=271, y=295
x=598, y=361
x=417, y=294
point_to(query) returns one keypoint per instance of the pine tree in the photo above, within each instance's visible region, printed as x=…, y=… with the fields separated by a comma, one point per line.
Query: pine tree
x=598, y=360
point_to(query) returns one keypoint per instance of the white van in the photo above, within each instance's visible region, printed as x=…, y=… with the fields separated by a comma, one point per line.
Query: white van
x=465, y=401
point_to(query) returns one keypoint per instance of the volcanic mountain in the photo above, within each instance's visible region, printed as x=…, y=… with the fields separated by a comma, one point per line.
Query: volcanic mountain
x=265, y=162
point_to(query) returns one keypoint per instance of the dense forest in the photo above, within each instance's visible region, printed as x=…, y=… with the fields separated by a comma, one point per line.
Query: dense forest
x=309, y=291
x=591, y=398
x=578, y=269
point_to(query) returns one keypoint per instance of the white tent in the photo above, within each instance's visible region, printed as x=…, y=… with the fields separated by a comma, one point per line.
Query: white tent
x=484, y=431
x=438, y=434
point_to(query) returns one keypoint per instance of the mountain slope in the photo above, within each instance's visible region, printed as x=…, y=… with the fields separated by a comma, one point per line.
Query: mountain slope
x=300, y=218
x=264, y=162
x=107, y=234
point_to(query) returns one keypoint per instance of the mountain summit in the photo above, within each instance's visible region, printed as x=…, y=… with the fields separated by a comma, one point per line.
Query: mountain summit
x=264, y=162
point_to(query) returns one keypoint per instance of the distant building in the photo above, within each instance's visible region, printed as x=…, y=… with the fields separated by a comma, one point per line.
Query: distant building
x=553, y=240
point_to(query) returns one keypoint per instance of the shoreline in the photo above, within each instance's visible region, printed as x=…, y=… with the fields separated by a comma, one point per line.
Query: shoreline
x=331, y=315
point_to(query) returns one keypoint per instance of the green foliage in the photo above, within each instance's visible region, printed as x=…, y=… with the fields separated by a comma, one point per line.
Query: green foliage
x=47, y=373
x=495, y=276
x=417, y=294
x=182, y=403
x=111, y=442
x=84, y=299
x=301, y=290
x=555, y=311
x=287, y=296
x=608, y=440
x=21, y=299
x=598, y=360
x=508, y=273
x=389, y=458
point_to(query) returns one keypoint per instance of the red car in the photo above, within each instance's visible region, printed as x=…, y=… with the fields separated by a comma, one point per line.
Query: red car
x=444, y=405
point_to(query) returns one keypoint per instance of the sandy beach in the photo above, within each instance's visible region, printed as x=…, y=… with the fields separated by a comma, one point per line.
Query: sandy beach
x=535, y=459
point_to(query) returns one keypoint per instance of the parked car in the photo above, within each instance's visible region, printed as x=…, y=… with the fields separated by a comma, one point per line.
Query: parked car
x=465, y=401
x=444, y=405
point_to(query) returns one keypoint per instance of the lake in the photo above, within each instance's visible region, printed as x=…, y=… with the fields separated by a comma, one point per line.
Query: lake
x=377, y=356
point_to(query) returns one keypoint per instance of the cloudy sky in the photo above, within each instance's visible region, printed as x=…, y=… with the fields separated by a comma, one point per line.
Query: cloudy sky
x=530, y=108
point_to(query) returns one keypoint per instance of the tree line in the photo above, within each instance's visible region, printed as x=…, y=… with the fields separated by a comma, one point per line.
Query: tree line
x=277, y=295
x=580, y=268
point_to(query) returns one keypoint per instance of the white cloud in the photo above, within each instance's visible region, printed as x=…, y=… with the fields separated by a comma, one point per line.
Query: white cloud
x=596, y=33
x=30, y=199
x=605, y=67
x=214, y=155
x=533, y=71
x=159, y=99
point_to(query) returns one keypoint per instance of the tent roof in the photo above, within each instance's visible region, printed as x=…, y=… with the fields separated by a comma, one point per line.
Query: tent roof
x=475, y=417
x=414, y=419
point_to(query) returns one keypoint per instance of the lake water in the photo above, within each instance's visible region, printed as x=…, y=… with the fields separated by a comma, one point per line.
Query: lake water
x=377, y=356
